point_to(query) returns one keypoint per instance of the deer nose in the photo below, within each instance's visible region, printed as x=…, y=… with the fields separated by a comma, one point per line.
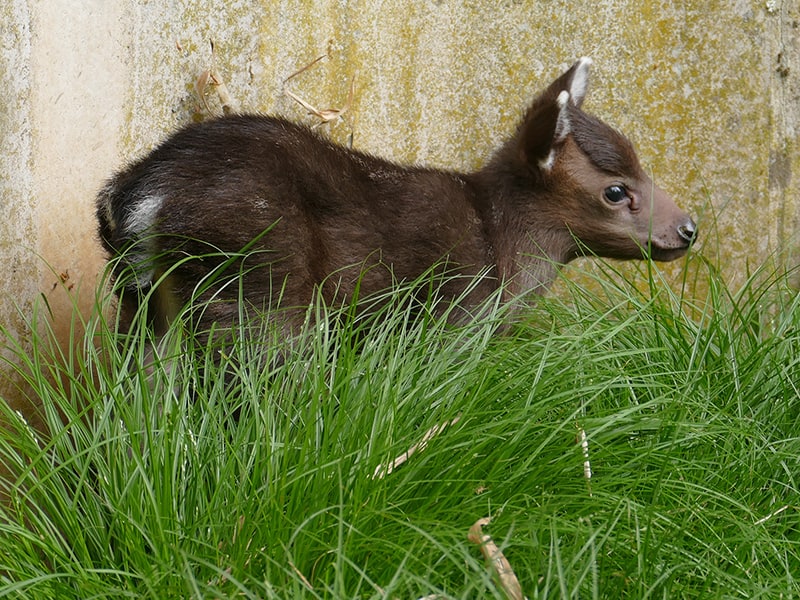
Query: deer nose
x=688, y=231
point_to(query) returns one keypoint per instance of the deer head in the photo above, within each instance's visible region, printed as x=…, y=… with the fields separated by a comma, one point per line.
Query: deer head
x=579, y=188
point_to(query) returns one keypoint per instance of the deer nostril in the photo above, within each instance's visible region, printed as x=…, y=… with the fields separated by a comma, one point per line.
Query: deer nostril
x=688, y=231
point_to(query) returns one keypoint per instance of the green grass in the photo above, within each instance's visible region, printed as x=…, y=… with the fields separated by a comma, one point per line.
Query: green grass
x=247, y=471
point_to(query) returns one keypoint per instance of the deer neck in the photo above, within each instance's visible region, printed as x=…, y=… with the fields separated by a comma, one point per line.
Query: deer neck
x=528, y=238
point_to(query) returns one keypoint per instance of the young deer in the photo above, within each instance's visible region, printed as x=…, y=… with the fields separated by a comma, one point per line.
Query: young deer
x=282, y=212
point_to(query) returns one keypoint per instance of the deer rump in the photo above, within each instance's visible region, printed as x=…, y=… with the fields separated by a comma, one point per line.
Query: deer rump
x=261, y=210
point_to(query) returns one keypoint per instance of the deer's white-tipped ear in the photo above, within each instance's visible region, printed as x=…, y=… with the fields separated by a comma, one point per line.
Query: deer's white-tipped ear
x=561, y=130
x=579, y=83
x=563, y=126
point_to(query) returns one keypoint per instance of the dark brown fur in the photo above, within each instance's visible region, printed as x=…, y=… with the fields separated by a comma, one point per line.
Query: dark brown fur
x=327, y=218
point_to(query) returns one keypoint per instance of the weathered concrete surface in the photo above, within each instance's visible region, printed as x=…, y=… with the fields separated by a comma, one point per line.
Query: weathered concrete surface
x=708, y=90
x=61, y=105
x=18, y=229
x=783, y=56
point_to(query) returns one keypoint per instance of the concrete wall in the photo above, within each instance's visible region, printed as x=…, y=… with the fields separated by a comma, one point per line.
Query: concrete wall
x=709, y=90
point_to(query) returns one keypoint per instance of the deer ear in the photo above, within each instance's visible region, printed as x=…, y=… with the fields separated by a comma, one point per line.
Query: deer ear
x=546, y=126
x=576, y=80
x=547, y=122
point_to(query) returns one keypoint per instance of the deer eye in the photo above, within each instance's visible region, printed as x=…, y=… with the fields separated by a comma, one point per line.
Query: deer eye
x=615, y=193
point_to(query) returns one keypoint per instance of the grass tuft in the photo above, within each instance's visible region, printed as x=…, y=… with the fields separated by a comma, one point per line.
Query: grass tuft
x=244, y=468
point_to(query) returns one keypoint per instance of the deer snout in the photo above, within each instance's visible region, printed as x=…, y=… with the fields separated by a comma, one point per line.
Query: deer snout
x=688, y=231
x=672, y=241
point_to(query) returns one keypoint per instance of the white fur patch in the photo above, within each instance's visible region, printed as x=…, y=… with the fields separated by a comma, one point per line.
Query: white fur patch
x=547, y=163
x=563, y=126
x=137, y=227
x=143, y=214
x=580, y=80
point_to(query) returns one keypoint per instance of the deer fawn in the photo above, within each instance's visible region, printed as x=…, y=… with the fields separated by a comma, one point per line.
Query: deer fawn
x=285, y=213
